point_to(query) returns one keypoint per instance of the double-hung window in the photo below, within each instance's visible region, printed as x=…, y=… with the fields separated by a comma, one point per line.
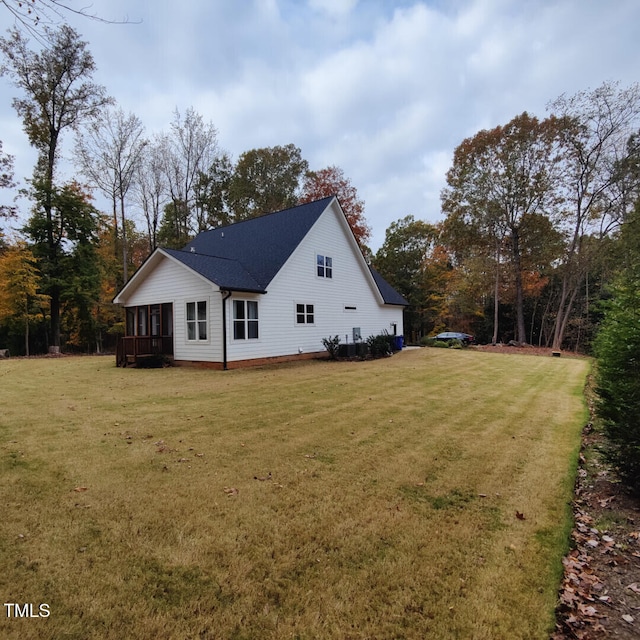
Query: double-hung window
x=324, y=265
x=245, y=320
x=305, y=313
x=197, y=320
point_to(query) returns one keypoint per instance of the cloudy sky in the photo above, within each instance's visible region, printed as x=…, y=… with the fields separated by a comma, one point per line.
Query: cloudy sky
x=385, y=89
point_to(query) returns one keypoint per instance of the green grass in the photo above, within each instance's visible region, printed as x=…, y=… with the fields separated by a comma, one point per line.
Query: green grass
x=137, y=503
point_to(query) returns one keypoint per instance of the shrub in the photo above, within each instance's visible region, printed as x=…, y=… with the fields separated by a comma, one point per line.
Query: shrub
x=441, y=344
x=380, y=345
x=617, y=351
x=332, y=345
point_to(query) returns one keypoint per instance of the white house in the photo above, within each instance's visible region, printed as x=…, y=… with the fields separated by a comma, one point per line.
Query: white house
x=268, y=288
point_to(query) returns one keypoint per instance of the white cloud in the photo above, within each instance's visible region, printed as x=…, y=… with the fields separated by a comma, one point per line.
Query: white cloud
x=334, y=8
x=384, y=89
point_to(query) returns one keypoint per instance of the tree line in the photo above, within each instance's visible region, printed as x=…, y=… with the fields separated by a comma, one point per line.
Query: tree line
x=530, y=241
x=528, y=247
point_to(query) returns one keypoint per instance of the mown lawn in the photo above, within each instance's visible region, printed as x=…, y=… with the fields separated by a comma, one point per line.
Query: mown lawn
x=421, y=496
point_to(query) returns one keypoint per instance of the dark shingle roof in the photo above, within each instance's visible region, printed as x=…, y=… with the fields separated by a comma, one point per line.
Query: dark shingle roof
x=389, y=294
x=227, y=273
x=245, y=256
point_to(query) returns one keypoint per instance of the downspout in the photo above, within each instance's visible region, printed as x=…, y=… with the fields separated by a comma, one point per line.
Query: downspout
x=226, y=296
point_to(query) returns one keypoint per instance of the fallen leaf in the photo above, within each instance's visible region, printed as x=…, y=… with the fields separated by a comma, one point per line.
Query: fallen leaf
x=520, y=516
x=230, y=491
x=80, y=489
x=587, y=610
x=634, y=587
x=627, y=618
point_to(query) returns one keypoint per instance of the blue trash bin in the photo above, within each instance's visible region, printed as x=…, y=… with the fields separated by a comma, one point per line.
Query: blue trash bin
x=399, y=342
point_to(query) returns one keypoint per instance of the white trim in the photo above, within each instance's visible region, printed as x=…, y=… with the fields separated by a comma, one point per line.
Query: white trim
x=148, y=266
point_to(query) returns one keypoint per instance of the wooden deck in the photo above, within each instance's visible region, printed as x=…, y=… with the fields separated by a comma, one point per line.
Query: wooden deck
x=141, y=350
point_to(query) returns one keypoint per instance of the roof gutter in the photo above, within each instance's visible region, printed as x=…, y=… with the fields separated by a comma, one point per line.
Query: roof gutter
x=225, y=297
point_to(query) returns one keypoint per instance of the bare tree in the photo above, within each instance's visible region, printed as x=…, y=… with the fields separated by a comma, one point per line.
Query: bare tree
x=151, y=189
x=189, y=151
x=6, y=182
x=598, y=126
x=109, y=154
x=35, y=15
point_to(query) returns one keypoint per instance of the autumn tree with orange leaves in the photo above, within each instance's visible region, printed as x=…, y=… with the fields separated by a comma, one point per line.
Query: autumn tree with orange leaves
x=331, y=181
x=501, y=182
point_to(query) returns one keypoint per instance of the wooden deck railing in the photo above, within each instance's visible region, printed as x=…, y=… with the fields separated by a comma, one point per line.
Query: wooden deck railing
x=130, y=348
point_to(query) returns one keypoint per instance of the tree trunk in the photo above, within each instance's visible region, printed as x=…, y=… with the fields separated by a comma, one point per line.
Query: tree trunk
x=496, y=295
x=563, y=318
x=55, y=317
x=26, y=334
x=558, y=335
x=567, y=298
x=543, y=322
x=125, y=256
x=521, y=334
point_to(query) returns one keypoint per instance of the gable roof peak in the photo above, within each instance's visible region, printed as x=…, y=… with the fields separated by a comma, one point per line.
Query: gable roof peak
x=258, y=246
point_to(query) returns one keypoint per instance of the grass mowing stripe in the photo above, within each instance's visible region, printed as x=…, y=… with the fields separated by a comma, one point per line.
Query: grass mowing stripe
x=390, y=511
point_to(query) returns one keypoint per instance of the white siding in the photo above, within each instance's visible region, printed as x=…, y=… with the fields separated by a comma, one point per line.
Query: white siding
x=172, y=282
x=297, y=282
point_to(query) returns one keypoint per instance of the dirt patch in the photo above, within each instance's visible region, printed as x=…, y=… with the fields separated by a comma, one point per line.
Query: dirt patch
x=526, y=350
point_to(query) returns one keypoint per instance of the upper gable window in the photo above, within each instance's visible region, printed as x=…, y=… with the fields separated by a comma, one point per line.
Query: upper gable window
x=324, y=266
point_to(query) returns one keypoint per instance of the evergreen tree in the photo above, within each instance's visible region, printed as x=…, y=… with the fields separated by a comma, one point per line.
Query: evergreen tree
x=617, y=349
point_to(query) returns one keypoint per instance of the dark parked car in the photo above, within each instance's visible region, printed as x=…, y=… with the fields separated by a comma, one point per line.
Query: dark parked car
x=448, y=336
